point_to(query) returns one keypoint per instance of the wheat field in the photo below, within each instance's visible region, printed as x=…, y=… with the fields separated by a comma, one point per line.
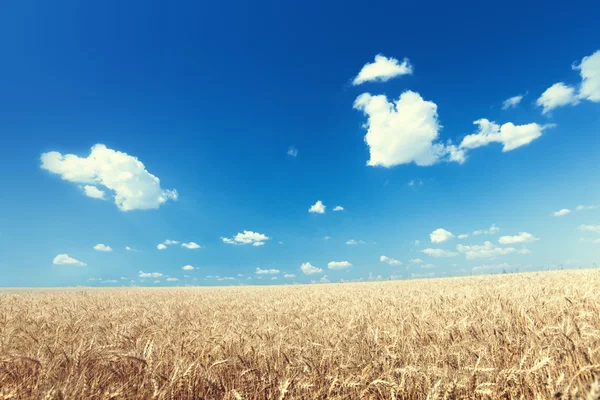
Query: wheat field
x=517, y=336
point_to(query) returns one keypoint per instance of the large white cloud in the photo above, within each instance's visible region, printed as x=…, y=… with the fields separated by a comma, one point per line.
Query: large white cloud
x=487, y=250
x=589, y=69
x=133, y=186
x=339, y=265
x=511, y=136
x=439, y=253
x=102, y=247
x=65, y=259
x=404, y=131
x=440, y=235
x=382, y=70
x=557, y=95
x=522, y=237
x=318, y=208
x=247, y=237
x=309, y=269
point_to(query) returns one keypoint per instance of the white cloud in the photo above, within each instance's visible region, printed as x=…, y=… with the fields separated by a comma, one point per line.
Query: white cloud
x=292, y=151
x=247, y=237
x=440, y=235
x=309, y=269
x=266, y=271
x=168, y=242
x=129, y=248
x=318, y=208
x=428, y=266
x=289, y=276
x=338, y=208
x=511, y=136
x=172, y=279
x=415, y=261
x=522, y=237
x=404, y=131
x=487, y=250
x=339, y=265
x=590, y=207
x=93, y=192
x=226, y=278
x=191, y=245
x=109, y=281
x=417, y=276
x=257, y=244
x=133, y=186
x=102, y=247
x=327, y=237
x=188, y=268
x=463, y=236
x=388, y=260
x=524, y=251
x=438, y=253
x=274, y=278
x=491, y=231
x=561, y=212
x=589, y=228
x=557, y=95
x=589, y=69
x=382, y=70
x=353, y=242
x=157, y=281
x=64, y=259
x=143, y=274
x=324, y=279
x=512, y=101
x=417, y=242
x=161, y=246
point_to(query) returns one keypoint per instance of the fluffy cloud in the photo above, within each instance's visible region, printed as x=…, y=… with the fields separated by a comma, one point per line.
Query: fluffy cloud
x=266, y=271
x=589, y=69
x=512, y=102
x=415, y=261
x=324, y=279
x=487, y=250
x=339, y=265
x=561, y=212
x=491, y=231
x=292, y=151
x=522, y=237
x=93, y=192
x=318, y=208
x=289, y=276
x=188, y=268
x=172, y=279
x=102, y=247
x=382, y=69
x=438, y=253
x=64, y=259
x=168, y=242
x=511, y=136
x=353, y=242
x=440, y=235
x=338, y=208
x=388, y=260
x=191, y=245
x=133, y=186
x=557, y=95
x=143, y=274
x=309, y=269
x=247, y=237
x=404, y=131
x=161, y=246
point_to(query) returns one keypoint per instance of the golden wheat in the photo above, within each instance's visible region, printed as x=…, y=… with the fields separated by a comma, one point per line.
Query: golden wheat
x=521, y=336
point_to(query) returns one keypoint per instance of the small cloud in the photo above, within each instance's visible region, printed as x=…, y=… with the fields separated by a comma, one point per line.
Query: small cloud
x=292, y=151
x=415, y=261
x=266, y=271
x=353, y=242
x=157, y=281
x=65, y=259
x=93, y=192
x=523, y=237
x=247, y=237
x=557, y=95
x=324, y=279
x=327, y=237
x=172, y=279
x=339, y=265
x=589, y=228
x=427, y=266
x=168, y=242
x=318, y=208
x=161, y=246
x=289, y=276
x=188, y=268
x=439, y=253
x=590, y=207
x=417, y=242
x=491, y=231
x=440, y=235
x=129, y=248
x=411, y=182
x=102, y=247
x=382, y=70
x=191, y=245
x=143, y=274
x=487, y=250
x=388, y=260
x=524, y=251
x=463, y=236
x=512, y=102
x=309, y=269
x=561, y=212
x=109, y=281
x=417, y=276
x=338, y=208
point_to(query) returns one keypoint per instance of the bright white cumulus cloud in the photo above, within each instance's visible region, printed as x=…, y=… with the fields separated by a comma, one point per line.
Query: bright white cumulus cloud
x=486, y=250
x=561, y=212
x=266, y=271
x=339, y=265
x=557, y=95
x=93, y=192
x=522, y=237
x=512, y=102
x=389, y=260
x=133, y=186
x=188, y=268
x=102, y=247
x=318, y=208
x=440, y=235
x=511, y=136
x=382, y=70
x=143, y=274
x=65, y=259
x=439, y=253
x=247, y=237
x=404, y=131
x=191, y=245
x=309, y=269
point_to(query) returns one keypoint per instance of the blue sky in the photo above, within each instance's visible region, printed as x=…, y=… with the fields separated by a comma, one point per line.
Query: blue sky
x=210, y=98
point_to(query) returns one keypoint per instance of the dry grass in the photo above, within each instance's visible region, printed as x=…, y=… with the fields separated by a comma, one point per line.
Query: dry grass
x=522, y=336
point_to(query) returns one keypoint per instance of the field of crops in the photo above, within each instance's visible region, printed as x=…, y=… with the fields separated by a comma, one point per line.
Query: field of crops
x=522, y=336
